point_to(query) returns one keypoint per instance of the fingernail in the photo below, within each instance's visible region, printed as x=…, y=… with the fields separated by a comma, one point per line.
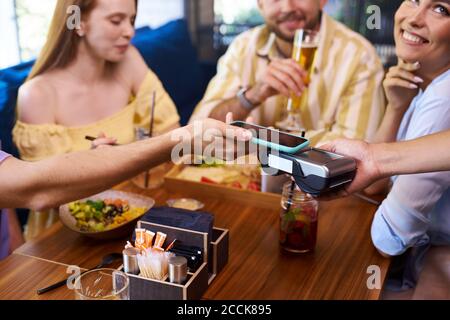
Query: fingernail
x=413, y=86
x=245, y=134
x=417, y=64
x=418, y=79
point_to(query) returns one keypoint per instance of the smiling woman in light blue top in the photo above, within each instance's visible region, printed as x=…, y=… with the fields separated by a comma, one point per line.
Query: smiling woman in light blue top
x=416, y=212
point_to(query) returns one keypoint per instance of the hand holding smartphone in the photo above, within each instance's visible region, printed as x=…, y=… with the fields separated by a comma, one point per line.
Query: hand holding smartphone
x=274, y=139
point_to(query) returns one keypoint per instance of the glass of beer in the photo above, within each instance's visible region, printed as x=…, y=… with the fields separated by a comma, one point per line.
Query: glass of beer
x=306, y=43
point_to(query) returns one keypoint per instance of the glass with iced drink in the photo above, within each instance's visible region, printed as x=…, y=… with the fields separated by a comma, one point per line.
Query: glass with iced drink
x=298, y=220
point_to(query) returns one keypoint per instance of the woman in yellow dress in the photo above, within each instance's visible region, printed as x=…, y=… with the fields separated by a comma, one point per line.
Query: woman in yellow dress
x=87, y=80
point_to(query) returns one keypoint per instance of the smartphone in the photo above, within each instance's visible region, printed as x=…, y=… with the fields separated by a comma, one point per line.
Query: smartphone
x=274, y=139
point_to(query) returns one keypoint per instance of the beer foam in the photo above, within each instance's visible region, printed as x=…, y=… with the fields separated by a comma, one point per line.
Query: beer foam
x=309, y=46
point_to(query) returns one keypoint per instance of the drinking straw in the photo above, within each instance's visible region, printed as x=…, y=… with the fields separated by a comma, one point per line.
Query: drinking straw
x=150, y=134
x=291, y=190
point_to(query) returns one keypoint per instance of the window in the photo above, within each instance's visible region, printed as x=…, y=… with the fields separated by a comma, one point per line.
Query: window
x=233, y=17
x=33, y=21
x=9, y=53
x=354, y=15
x=24, y=24
x=154, y=13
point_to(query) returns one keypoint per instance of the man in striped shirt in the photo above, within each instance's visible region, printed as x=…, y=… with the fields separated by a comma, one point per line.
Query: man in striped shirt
x=256, y=75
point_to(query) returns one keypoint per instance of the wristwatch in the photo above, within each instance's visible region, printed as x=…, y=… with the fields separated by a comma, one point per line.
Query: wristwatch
x=247, y=104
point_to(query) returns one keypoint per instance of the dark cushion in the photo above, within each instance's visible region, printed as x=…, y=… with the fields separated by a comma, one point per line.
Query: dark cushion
x=169, y=52
x=16, y=75
x=141, y=31
x=3, y=95
x=4, y=139
x=11, y=79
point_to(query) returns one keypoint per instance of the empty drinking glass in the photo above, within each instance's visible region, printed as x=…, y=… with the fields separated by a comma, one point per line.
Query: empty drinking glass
x=102, y=284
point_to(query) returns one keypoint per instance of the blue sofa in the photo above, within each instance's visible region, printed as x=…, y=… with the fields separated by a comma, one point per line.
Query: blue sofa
x=168, y=51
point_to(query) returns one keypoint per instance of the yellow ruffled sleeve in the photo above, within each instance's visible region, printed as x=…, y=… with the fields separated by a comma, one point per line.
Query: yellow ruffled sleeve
x=166, y=114
x=38, y=142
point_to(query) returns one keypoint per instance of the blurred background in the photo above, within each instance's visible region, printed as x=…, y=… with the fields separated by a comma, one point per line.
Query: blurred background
x=213, y=23
x=176, y=37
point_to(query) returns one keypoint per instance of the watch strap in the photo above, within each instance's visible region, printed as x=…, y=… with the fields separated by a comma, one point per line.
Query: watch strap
x=243, y=99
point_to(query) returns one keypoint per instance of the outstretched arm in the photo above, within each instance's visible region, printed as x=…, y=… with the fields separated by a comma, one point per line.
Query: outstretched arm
x=60, y=179
x=379, y=161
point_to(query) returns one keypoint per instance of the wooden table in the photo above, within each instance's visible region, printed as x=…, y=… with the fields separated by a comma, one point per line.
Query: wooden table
x=257, y=269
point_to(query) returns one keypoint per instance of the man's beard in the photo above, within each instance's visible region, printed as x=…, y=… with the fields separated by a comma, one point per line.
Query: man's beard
x=280, y=34
x=311, y=25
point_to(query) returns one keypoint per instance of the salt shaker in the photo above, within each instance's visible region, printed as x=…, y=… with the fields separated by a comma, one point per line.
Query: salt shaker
x=177, y=269
x=130, y=262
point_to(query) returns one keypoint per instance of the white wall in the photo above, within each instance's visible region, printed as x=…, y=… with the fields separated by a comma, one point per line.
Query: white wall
x=9, y=52
x=155, y=13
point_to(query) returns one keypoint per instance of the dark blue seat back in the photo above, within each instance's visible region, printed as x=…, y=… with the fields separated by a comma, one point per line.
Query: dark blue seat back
x=10, y=81
x=169, y=52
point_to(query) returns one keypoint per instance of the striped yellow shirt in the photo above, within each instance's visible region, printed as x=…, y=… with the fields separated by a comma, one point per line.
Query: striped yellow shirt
x=345, y=96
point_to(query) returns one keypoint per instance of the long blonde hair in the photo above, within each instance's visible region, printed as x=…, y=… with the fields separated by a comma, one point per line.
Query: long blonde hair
x=62, y=43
